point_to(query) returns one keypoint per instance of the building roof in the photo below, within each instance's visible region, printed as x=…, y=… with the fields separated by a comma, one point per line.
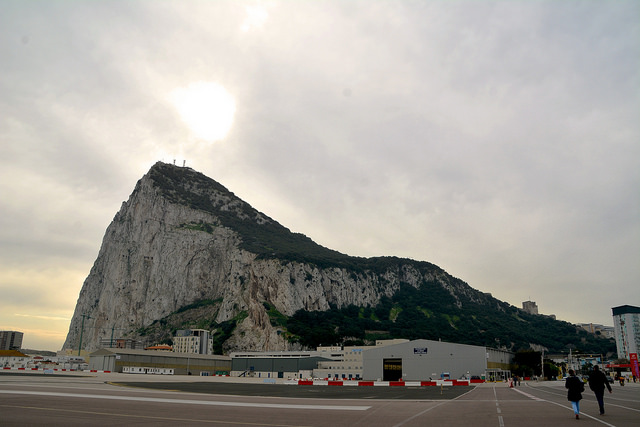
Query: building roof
x=128, y=351
x=160, y=347
x=625, y=309
x=12, y=353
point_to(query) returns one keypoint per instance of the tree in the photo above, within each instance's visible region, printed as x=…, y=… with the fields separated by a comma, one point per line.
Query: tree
x=528, y=363
x=550, y=369
x=587, y=368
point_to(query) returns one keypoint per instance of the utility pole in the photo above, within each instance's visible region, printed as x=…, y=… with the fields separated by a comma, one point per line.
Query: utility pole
x=113, y=328
x=82, y=331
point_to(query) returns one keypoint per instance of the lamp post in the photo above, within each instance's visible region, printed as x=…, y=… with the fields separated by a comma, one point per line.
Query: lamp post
x=84, y=316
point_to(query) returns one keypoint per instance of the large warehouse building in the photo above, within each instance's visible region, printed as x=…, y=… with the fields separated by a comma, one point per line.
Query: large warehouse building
x=425, y=359
x=386, y=361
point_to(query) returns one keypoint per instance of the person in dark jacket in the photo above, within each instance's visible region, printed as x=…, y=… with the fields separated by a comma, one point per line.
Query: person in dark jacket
x=574, y=395
x=597, y=382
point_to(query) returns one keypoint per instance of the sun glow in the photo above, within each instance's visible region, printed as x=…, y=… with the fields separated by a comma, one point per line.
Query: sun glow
x=206, y=108
x=255, y=18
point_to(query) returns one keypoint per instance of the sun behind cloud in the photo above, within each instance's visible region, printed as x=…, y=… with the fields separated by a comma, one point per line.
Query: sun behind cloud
x=255, y=18
x=207, y=109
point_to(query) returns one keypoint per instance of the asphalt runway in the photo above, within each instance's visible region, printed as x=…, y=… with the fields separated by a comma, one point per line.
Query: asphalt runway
x=306, y=391
x=104, y=399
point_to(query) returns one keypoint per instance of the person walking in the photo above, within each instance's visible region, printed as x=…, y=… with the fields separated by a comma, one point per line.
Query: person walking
x=597, y=382
x=574, y=395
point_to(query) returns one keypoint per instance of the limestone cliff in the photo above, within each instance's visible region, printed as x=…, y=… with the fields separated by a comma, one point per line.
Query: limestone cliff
x=182, y=238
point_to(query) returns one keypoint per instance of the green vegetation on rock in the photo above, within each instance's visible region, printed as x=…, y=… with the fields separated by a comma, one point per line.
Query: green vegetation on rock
x=444, y=308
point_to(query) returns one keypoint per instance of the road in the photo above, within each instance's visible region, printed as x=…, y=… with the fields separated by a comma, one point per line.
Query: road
x=121, y=399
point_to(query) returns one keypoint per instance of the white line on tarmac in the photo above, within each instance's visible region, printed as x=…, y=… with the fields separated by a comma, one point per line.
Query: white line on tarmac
x=528, y=395
x=420, y=413
x=498, y=410
x=192, y=402
x=610, y=398
x=427, y=410
x=623, y=407
x=563, y=406
x=464, y=394
x=75, y=387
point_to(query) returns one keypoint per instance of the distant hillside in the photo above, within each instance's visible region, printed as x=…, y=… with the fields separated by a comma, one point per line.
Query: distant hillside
x=427, y=313
x=410, y=313
x=184, y=251
x=40, y=352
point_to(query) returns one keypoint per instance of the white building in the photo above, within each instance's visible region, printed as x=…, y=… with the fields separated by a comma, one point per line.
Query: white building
x=13, y=359
x=604, y=331
x=279, y=364
x=347, y=362
x=344, y=364
x=198, y=341
x=626, y=321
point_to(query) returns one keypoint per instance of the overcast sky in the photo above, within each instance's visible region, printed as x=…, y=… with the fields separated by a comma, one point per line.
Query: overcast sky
x=499, y=140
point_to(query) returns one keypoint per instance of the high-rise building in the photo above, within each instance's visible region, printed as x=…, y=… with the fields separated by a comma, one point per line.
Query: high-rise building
x=10, y=340
x=626, y=321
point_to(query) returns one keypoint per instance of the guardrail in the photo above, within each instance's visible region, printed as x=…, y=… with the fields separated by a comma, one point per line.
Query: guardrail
x=362, y=383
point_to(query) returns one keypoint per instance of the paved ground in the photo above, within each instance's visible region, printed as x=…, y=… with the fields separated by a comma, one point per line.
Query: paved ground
x=307, y=391
x=102, y=399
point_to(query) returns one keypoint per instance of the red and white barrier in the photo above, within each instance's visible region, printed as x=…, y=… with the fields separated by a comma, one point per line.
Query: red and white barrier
x=6, y=368
x=361, y=383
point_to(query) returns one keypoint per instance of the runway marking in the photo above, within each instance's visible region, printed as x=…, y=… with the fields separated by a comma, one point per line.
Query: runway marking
x=427, y=410
x=189, y=420
x=528, y=395
x=498, y=410
x=623, y=407
x=564, y=406
x=609, y=398
x=464, y=394
x=419, y=414
x=192, y=402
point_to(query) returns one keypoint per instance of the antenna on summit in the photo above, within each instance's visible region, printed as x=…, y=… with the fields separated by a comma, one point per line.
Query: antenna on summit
x=174, y=162
x=184, y=162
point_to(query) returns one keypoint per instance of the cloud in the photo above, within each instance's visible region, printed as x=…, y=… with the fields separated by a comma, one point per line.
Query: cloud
x=66, y=319
x=256, y=16
x=495, y=139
